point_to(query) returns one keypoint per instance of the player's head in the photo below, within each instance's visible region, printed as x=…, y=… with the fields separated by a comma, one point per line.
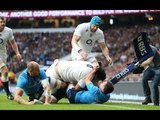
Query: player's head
x=100, y=74
x=96, y=20
x=95, y=23
x=2, y=23
x=33, y=68
x=106, y=86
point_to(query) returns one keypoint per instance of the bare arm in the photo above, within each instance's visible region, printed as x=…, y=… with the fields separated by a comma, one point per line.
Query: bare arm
x=90, y=76
x=147, y=62
x=18, y=98
x=15, y=49
x=47, y=89
x=105, y=51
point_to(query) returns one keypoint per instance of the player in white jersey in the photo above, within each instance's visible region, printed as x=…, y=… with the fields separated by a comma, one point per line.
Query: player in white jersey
x=84, y=38
x=6, y=37
x=63, y=72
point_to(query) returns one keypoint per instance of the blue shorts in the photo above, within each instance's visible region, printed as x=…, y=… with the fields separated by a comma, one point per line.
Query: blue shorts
x=71, y=93
x=36, y=95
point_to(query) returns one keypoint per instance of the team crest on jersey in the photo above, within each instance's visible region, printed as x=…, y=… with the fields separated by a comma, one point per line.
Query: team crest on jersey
x=89, y=42
x=90, y=66
x=1, y=41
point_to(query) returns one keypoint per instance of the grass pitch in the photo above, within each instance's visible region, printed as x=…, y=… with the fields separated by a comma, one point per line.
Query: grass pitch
x=63, y=104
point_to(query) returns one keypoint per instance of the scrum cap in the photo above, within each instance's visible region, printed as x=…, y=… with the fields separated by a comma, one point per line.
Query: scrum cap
x=96, y=20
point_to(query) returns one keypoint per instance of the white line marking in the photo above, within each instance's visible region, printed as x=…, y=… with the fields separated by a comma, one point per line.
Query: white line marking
x=122, y=107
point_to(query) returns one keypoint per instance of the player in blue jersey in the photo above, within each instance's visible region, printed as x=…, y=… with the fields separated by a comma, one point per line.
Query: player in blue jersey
x=30, y=81
x=96, y=93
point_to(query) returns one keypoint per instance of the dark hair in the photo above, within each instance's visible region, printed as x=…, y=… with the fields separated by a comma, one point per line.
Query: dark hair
x=108, y=88
x=100, y=74
x=100, y=64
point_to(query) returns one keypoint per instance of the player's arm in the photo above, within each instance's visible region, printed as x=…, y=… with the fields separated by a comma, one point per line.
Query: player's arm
x=90, y=76
x=74, y=43
x=86, y=80
x=18, y=97
x=15, y=48
x=147, y=62
x=105, y=51
x=47, y=89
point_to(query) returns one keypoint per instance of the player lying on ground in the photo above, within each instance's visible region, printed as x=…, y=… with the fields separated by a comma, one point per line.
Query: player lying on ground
x=95, y=93
x=63, y=72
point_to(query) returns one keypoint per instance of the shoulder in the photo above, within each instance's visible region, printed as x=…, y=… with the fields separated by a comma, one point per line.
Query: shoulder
x=83, y=25
x=23, y=74
x=22, y=79
x=92, y=87
x=8, y=29
x=153, y=48
x=42, y=70
x=86, y=64
x=99, y=31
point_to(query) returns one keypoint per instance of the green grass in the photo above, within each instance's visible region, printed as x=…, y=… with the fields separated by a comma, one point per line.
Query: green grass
x=63, y=104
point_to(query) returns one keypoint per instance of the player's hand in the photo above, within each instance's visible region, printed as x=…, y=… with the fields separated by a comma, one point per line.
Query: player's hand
x=19, y=57
x=37, y=101
x=109, y=60
x=47, y=103
x=31, y=102
x=95, y=68
x=83, y=54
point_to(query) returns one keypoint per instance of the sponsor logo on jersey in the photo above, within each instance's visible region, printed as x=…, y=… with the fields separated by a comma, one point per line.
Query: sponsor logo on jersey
x=90, y=66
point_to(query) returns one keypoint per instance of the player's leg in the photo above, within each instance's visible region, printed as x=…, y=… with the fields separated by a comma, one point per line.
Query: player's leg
x=61, y=92
x=71, y=93
x=155, y=85
x=147, y=75
x=76, y=56
x=4, y=78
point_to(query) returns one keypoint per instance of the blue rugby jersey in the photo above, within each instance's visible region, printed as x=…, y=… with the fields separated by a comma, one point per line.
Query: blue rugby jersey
x=91, y=96
x=30, y=84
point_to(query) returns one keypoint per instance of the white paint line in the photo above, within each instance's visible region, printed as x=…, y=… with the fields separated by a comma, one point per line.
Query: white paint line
x=121, y=107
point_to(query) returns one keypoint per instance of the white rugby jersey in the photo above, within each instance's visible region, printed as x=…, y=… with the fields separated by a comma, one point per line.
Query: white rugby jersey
x=88, y=38
x=5, y=35
x=70, y=71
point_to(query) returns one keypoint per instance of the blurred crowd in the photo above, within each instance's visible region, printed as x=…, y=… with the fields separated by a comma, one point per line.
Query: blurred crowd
x=42, y=46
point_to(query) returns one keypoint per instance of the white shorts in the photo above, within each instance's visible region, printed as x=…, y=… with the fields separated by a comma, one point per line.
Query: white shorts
x=75, y=56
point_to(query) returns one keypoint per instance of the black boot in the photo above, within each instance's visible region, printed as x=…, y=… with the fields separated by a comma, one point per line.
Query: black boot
x=6, y=88
x=156, y=103
x=146, y=101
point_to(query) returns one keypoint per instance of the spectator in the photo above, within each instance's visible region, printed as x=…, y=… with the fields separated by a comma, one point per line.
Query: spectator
x=151, y=73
